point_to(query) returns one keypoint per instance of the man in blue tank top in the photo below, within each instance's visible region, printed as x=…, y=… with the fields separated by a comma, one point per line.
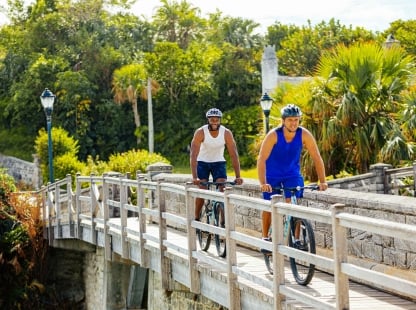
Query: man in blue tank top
x=278, y=164
x=207, y=154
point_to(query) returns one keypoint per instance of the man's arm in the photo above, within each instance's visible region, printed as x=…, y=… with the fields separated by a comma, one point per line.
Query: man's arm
x=312, y=147
x=266, y=147
x=232, y=150
x=195, y=147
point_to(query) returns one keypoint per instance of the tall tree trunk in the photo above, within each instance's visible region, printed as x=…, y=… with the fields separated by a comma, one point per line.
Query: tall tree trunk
x=136, y=120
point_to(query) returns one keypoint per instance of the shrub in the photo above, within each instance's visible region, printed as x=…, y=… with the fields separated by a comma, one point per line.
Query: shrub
x=64, y=148
x=133, y=161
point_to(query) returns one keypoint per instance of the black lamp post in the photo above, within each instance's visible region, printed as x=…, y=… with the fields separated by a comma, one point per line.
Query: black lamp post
x=47, y=99
x=266, y=104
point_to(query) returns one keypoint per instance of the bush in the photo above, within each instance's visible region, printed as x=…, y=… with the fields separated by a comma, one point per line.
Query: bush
x=133, y=161
x=64, y=148
x=7, y=186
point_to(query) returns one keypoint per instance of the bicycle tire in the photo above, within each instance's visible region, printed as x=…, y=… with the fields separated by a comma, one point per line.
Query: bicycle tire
x=220, y=243
x=204, y=237
x=268, y=260
x=303, y=272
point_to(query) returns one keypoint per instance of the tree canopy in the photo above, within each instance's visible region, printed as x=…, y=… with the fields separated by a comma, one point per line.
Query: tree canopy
x=95, y=55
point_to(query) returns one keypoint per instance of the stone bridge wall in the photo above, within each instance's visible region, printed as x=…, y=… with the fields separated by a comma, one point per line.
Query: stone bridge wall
x=22, y=171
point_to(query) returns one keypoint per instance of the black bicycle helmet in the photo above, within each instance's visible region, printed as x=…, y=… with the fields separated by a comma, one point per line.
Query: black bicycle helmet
x=214, y=112
x=291, y=110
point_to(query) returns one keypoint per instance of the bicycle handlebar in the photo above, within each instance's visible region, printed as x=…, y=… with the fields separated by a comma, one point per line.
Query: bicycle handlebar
x=295, y=189
x=208, y=183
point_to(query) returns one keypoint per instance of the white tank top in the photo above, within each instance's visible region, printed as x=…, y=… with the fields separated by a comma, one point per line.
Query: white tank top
x=212, y=149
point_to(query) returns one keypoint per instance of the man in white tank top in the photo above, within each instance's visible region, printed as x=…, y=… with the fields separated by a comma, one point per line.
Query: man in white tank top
x=207, y=154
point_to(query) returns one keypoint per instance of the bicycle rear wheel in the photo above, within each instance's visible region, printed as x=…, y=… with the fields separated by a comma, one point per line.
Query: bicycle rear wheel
x=220, y=221
x=302, y=271
x=204, y=237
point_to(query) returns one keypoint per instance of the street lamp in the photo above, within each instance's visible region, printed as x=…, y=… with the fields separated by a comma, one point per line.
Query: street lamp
x=266, y=104
x=47, y=99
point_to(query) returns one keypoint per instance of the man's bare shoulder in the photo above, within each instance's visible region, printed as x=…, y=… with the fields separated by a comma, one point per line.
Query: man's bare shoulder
x=199, y=134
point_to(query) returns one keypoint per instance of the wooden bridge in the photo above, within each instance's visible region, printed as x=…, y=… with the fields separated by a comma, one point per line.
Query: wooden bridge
x=146, y=233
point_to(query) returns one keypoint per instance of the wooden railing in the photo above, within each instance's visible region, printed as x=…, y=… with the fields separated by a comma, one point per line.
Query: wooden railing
x=86, y=215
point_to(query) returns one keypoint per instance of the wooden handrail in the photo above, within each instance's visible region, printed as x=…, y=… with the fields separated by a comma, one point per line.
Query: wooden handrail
x=151, y=195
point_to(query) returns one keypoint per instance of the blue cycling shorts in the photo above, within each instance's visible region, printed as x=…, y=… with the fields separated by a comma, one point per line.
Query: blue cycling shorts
x=218, y=170
x=285, y=182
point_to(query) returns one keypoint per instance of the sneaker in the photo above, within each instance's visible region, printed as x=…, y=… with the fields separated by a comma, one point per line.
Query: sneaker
x=300, y=245
x=264, y=251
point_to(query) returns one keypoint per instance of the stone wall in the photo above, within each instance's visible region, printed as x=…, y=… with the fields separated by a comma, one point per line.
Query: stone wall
x=180, y=298
x=22, y=171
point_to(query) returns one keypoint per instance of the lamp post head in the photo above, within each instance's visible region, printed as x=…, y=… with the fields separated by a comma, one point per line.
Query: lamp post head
x=266, y=103
x=47, y=99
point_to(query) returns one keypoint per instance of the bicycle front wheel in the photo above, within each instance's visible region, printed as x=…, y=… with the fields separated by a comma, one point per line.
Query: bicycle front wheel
x=302, y=271
x=204, y=237
x=220, y=221
x=268, y=260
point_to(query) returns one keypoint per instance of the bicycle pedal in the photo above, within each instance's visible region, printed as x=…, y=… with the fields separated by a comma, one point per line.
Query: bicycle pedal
x=300, y=246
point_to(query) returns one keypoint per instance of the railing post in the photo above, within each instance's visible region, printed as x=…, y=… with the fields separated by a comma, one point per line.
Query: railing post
x=234, y=298
x=414, y=179
x=106, y=216
x=92, y=212
x=123, y=217
x=78, y=207
x=141, y=199
x=71, y=211
x=194, y=280
x=57, y=204
x=165, y=268
x=339, y=235
x=278, y=238
x=51, y=212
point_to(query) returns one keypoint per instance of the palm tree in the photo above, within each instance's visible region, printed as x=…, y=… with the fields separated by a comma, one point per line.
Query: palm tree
x=357, y=103
x=178, y=22
x=129, y=83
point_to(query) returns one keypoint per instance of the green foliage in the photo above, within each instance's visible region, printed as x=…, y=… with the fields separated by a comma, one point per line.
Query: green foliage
x=17, y=246
x=95, y=166
x=197, y=62
x=244, y=122
x=356, y=106
x=67, y=164
x=133, y=161
x=64, y=152
x=17, y=143
x=7, y=186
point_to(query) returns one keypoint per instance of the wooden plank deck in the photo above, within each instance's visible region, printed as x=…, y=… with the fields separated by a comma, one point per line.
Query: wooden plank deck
x=322, y=285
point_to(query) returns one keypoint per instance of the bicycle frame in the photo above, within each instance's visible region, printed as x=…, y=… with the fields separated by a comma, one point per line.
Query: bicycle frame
x=213, y=212
x=299, y=235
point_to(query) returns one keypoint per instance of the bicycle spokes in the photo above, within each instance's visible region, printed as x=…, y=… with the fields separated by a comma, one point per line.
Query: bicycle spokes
x=302, y=238
x=204, y=237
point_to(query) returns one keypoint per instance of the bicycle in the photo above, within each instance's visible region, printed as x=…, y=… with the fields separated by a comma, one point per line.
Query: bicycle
x=213, y=212
x=302, y=271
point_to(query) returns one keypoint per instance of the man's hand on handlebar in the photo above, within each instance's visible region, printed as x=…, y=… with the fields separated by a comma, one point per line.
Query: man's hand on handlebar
x=238, y=181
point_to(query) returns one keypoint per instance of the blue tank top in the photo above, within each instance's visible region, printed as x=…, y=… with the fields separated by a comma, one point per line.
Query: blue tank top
x=284, y=159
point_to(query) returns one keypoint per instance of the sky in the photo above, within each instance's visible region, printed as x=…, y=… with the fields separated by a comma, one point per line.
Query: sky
x=375, y=15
